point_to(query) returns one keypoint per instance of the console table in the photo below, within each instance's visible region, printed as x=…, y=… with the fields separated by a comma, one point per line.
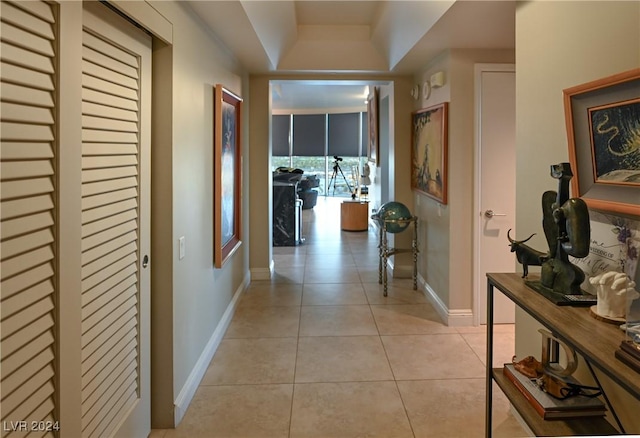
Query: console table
x=594, y=340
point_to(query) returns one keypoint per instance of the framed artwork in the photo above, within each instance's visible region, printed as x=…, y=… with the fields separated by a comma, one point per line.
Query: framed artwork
x=603, y=131
x=373, y=151
x=227, y=175
x=429, y=151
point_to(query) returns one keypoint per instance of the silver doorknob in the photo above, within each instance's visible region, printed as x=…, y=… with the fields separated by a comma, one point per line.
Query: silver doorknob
x=489, y=214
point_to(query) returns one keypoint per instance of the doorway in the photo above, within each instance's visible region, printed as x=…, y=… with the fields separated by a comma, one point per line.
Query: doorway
x=495, y=183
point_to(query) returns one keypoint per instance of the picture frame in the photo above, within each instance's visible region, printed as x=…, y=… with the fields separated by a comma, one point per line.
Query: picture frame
x=429, y=151
x=373, y=117
x=227, y=174
x=603, y=130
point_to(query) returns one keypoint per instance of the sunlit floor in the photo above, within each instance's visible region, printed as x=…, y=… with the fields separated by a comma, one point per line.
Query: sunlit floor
x=320, y=352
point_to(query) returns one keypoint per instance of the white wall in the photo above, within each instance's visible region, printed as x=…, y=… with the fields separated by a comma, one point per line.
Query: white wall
x=560, y=45
x=446, y=231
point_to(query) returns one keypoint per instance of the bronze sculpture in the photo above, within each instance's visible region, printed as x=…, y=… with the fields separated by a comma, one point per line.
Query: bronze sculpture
x=568, y=233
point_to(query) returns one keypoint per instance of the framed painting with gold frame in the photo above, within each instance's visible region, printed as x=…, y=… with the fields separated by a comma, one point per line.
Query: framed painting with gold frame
x=227, y=175
x=429, y=151
x=372, y=121
x=603, y=131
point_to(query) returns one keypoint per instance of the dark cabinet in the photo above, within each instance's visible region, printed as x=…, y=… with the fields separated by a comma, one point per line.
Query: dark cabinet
x=287, y=214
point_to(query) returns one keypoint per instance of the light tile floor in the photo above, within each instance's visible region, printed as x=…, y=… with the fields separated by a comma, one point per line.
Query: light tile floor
x=320, y=352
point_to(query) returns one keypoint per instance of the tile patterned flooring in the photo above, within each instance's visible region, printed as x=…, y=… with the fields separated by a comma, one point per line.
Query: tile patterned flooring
x=318, y=351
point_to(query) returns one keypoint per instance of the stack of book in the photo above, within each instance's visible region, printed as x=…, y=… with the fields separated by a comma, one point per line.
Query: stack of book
x=549, y=407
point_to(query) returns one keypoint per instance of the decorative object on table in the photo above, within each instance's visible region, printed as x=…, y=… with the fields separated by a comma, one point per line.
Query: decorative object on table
x=429, y=151
x=615, y=246
x=614, y=289
x=567, y=230
x=550, y=387
x=549, y=407
x=526, y=255
x=629, y=350
x=395, y=217
x=603, y=130
x=365, y=181
x=227, y=171
x=373, y=151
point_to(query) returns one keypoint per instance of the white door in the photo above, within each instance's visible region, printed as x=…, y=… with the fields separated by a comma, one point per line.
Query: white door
x=495, y=183
x=116, y=87
x=28, y=192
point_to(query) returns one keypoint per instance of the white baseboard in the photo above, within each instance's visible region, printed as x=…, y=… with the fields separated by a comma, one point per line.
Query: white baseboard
x=263, y=273
x=452, y=318
x=187, y=392
x=399, y=271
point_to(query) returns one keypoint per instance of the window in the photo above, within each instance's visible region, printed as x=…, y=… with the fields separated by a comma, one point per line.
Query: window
x=312, y=142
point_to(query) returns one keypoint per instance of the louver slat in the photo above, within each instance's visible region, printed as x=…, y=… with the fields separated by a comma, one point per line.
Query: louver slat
x=107, y=260
x=23, y=113
x=102, y=250
x=109, y=234
x=26, y=20
x=34, y=348
x=99, y=71
x=28, y=146
x=24, y=150
x=20, y=38
x=38, y=9
x=26, y=58
x=26, y=298
x=22, y=374
x=18, y=189
x=112, y=52
x=23, y=76
x=13, y=343
x=105, y=342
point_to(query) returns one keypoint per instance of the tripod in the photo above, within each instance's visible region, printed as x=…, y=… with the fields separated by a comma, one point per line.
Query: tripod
x=336, y=169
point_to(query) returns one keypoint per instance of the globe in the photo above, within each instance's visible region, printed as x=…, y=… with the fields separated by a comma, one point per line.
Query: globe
x=394, y=210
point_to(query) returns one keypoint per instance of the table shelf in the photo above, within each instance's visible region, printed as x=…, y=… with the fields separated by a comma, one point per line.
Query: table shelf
x=594, y=340
x=541, y=427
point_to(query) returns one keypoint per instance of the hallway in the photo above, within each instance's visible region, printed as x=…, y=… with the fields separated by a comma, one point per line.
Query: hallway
x=318, y=351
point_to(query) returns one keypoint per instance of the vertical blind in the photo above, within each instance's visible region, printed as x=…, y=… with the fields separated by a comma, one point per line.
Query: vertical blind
x=364, y=140
x=280, y=129
x=309, y=135
x=346, y=135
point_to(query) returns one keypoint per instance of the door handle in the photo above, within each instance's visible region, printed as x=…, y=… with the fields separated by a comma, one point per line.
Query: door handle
x=489, y=214
x=145, y=261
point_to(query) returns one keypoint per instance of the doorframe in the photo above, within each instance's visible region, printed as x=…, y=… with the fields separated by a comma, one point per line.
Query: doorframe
x=479, y=287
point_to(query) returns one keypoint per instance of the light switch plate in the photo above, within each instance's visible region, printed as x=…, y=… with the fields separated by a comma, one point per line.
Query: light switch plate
x=181, y=246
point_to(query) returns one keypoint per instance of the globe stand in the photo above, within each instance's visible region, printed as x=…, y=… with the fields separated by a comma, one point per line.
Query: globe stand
x=385, y=251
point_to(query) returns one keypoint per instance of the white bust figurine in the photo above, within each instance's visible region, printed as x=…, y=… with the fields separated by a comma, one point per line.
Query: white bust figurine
x=613, y=292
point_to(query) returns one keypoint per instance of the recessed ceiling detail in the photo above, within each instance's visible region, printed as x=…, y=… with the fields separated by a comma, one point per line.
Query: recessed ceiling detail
x=353, y=36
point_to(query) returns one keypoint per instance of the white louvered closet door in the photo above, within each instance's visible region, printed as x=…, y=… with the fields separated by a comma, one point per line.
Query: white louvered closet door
x=115, y=225
x=28, y=34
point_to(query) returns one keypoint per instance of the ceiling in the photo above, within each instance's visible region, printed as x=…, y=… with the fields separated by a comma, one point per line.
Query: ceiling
x=350, y=37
